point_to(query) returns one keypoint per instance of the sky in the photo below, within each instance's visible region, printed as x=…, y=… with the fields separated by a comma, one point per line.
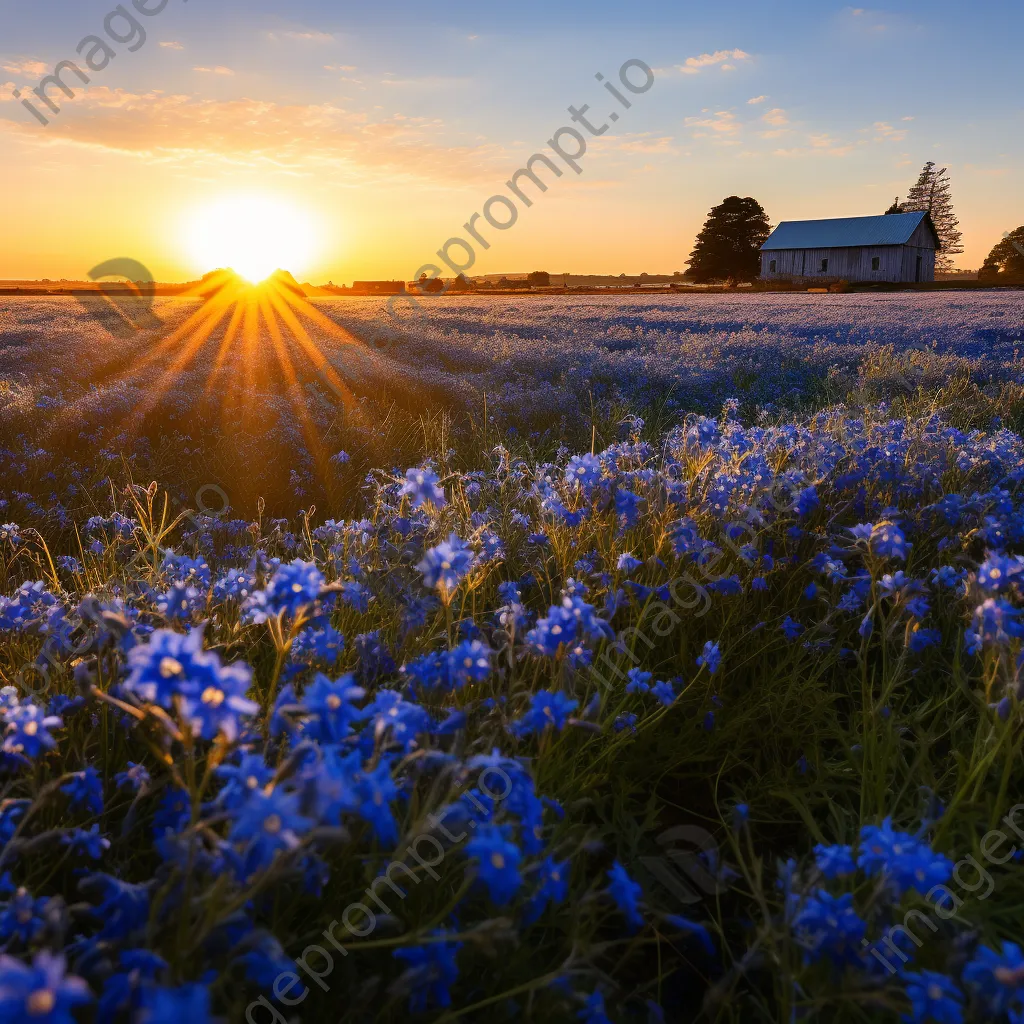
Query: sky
x=362, y=139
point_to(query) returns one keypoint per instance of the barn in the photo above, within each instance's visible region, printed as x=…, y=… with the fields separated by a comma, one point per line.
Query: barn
x=895, y=247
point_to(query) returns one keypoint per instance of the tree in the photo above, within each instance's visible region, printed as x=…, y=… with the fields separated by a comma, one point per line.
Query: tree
x=933, y=194
x=539, y=279
x=1005, y=263
x=462, y=284
x=730, y=242
x=895, y=208
x=430, y=284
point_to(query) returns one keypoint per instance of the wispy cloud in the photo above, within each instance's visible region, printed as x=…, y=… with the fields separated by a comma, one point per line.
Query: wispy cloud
x=694, y=65
x=25, y=66
x=302, y=36
x=723, y=123
x=775, y=117
x=218, y=70
x=172, y=45
x=757, y=99
x=866, y=20
x=426, y=82
x=885, y=132
x=643, y=142
x=195, y=132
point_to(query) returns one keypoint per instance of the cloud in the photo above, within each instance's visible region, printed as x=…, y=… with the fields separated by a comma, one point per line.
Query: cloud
x=218, y=70
x=339, y=67
x=723, y=123
x=864, y=19
x=694, y=65
x=310, y=37
x=775, y=117
x=305, y=36
x=7, y=92
x=206, y=135
x=172, y=45
x=884, y=132
x=26, y=66
x=820, y=145
x=426, y=82
x=644, y=142
x=757, y=99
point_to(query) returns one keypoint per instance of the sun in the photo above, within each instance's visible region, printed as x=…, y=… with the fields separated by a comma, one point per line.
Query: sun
x=253, y=235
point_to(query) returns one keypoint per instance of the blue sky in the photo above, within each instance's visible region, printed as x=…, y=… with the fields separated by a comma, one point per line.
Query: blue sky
x=394, y=126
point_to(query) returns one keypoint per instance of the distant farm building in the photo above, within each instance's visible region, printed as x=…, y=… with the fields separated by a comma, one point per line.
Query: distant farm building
x=897, y=247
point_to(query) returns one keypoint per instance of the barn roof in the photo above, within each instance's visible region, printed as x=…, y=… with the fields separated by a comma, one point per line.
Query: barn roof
x=890, y=229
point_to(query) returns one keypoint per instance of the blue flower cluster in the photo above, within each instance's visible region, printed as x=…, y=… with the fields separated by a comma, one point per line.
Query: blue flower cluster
x=465, y=718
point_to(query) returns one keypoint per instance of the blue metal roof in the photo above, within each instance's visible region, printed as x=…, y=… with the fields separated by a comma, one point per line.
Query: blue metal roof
x=891, y=229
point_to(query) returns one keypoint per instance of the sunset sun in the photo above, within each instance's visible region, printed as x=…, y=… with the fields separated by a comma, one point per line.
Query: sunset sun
x=253, y=235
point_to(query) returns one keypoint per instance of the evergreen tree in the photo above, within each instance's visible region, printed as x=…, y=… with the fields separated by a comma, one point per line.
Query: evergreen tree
x=1005, y=262
x=895, y=208
x=729, y=243
x=933, y=194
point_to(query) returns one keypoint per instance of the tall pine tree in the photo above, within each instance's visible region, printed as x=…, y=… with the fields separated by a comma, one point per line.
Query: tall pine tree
x=730, y=242
x=933, y=194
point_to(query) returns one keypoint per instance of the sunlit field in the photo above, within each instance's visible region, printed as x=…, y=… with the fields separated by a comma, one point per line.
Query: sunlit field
x=633, y=659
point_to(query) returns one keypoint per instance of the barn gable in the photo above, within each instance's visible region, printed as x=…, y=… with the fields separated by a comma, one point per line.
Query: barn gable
x=844, y=232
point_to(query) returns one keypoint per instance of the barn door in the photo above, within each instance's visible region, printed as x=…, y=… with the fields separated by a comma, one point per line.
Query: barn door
x=917, y=274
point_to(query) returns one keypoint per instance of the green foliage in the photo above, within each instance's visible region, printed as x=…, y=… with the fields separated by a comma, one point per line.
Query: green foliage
x=1005, y=263
x=729, y=244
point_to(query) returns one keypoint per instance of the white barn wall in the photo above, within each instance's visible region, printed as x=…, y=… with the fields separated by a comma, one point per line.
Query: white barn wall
x=897, y=263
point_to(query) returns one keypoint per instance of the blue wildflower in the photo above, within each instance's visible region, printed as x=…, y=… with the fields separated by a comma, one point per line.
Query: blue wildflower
x=268, y=823
x=638, y=681
x=86, y=842
x=85, y=790
x=906, y=862
x=626, y=894
x=433, y=969
x=933, y=998
x=292, y=587
x=23, y=918
x=421, y=486
x=546, y=708
x=711, y=657
x=40, y=994
x=189, y=1003
x=498, y=861
x=997, y=977
x=665, y=692
x=445, y=565
x=829, y=925
x=834, y=861
x=28, y=730
x=583, y=471
x=594, y=1011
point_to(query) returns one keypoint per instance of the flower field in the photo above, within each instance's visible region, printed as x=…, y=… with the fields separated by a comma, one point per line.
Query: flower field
x=581, y=660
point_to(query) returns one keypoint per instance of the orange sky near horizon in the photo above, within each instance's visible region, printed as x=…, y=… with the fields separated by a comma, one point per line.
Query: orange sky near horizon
x=388, y=143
